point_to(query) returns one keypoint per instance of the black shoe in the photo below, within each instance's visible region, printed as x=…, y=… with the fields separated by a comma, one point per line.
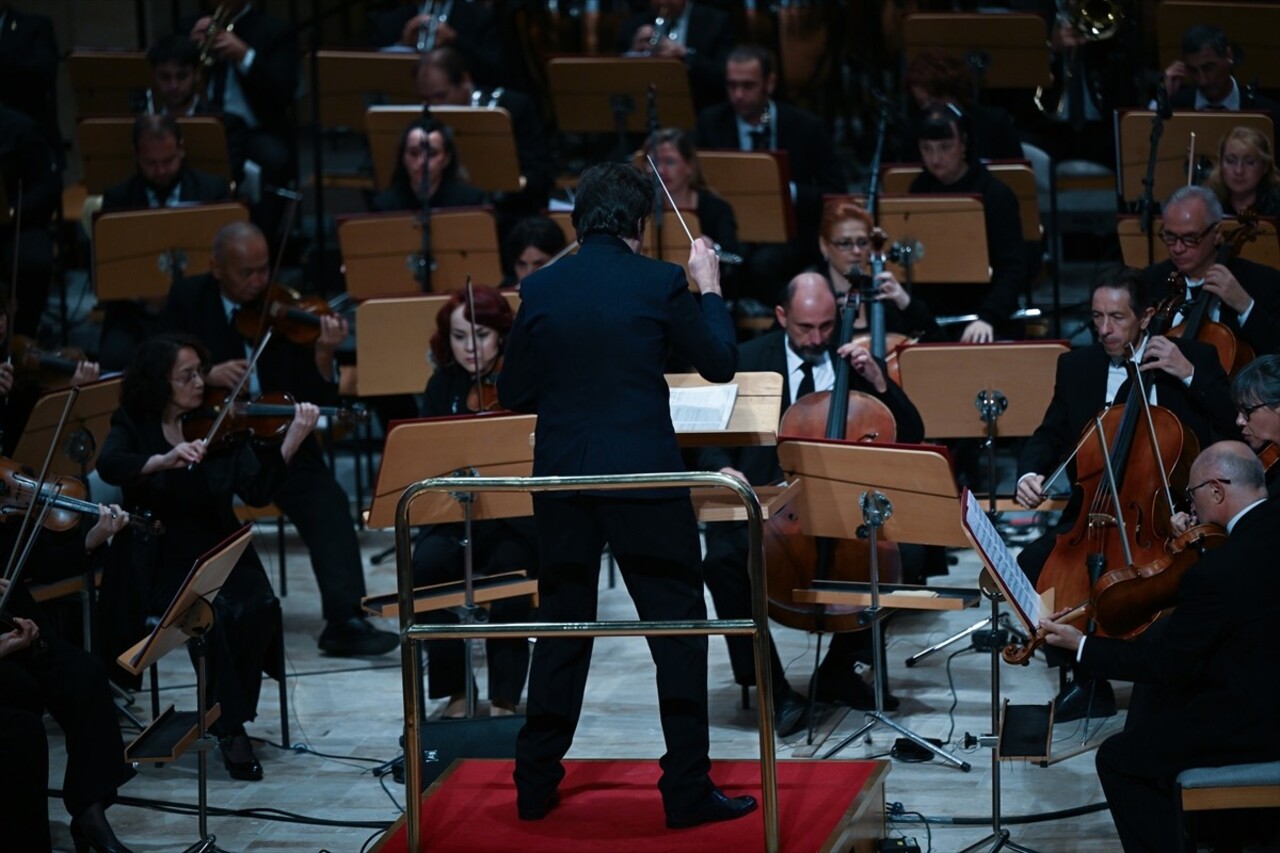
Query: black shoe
x=848, y=689
x=538, y=809
x=716, y=806
x=247, y=770
x=91, y=832
x=355, y=636
x=788, y=712
x=1094, y=698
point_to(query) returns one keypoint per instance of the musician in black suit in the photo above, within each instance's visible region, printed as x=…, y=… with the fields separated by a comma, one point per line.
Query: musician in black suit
x=586, y=354
x=204, y=306
x=468, y=28
x=698, y=35
x=253, y=83
x=1216, y=658
x=1256, y=391
x=1185, y=378
x=29, y=69
x=750, y=120
x=803, y=352
x=1203, y=78
x=1248, y=293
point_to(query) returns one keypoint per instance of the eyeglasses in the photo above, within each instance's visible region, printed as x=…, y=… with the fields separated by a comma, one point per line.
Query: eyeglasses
x=188, y=376
x=1246, y=412
x=1191, y=492
x=846, y=244
x=1188, y=240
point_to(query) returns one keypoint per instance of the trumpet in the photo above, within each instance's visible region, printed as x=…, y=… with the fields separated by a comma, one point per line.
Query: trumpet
x=222, y=20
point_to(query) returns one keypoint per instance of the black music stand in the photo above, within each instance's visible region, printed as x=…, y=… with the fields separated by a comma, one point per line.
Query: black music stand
x=188, y=618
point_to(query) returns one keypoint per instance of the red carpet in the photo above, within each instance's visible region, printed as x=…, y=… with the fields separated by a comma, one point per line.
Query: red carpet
x=615, y=806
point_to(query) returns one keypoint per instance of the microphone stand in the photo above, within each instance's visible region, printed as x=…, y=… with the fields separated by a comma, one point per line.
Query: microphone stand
x=425, y=262
x=873, y=189
x=1149, y=179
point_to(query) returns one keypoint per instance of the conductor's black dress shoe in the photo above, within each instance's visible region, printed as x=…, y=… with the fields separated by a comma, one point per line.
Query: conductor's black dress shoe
x=716, y=806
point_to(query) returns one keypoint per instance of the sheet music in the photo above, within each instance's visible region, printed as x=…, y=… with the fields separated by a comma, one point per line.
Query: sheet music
x=703, y=409
x=995, y=554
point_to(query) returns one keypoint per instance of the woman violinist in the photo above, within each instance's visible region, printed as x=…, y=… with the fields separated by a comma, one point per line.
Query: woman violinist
x=190, y=490
x=1246, y=177
x=467, y=351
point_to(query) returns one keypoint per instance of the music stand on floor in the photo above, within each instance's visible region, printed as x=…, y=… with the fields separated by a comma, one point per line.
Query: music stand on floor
x=188, y=618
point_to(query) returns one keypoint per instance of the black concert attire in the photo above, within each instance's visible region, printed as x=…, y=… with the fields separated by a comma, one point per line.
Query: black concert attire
x=308, y=494
x=477, y=37
x=724, y=566
x=257, y=106
x=24, y=749
x=1261, y=329
x=498, y=545
x=1266, y=202
x=1217, y=664
x=1006, y=253
x=1079, y=394
x=708, y=39
x=29, y=69
x=609, y=299
x=718, y=222
x=815, y=171
x=126, y=324
x=146, y=571
x=1187, y=98
x=453, y=192
x=28, y=167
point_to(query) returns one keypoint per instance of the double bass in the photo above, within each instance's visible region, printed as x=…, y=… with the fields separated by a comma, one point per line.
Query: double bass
x=794, y=560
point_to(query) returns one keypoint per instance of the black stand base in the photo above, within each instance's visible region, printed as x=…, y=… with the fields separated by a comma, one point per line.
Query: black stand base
x=482, y=737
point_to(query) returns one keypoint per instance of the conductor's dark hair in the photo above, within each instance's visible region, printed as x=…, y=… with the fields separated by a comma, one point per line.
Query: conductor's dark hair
x=745, y=53
x=179, y=50
x=146, y=388
x=1258, y=382
x=152, y=126
x=613, y=198
x=540, y=232
x=448, y=60
x=492, y=310
x=1125, y=278
x=400, y=177
x=1200, y=36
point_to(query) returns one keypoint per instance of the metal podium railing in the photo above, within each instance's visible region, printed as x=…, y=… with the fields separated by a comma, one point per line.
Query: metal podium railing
x=411, y=631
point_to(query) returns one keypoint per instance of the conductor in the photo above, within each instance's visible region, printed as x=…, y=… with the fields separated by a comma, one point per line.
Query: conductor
x=586, y=353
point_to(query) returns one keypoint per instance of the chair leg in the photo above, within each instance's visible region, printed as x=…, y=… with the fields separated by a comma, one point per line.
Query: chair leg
x=284, y=686
x=284, y=578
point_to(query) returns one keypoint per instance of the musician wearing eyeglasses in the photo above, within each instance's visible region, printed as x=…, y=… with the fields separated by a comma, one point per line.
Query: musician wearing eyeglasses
x=1216, y=663
x=1249, y=292
x=1256, y=390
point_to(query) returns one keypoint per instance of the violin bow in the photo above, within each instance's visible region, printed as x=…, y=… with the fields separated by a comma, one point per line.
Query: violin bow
x=726, y=257
x=294, y=199
x=1151, y=427
x=1114, y=489
x=475, y=345
x=1191, y=157
x=235, y=392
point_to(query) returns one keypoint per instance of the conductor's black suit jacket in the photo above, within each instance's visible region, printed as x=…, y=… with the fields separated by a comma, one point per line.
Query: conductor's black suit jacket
x=586, y=354
x=760, y=464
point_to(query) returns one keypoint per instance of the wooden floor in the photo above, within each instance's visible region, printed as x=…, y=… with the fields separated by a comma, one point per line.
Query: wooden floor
x=346, y=716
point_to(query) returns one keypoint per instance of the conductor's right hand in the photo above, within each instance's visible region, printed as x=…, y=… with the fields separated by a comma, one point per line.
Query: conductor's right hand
x=1030, y=492
x=704, y=266
x=228, y=374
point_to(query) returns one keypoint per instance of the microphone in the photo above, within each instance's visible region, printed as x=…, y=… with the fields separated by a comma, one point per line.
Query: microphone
x=1163, y=108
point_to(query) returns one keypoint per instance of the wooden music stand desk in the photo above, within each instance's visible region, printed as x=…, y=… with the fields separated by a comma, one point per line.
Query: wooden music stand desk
x=483, y=136
x=675, y=245
x=108, y=82
x=1133, y=137
x=381, y=251
x=583, y=90
x=757, y=185
x=1264, y=250
x=1017, y=175
x=951, y=228
x=135, y=252
x=86, y=429
x=349, y=81
x=106, y=148
x=1253, y=26
x=1014, y=43
x=393, y=336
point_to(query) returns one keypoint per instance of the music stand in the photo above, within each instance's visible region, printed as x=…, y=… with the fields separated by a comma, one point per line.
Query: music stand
x=1133, y=132
x=600, y=95
x=1007, y=51
x=86, y=429
x=349, y=81
x=108, y=81
x=1264, y=250
x=1017, y=175
x=139, y=254
x=483, y=136
x=757, y=185
x=188, y=618
x=952, y=230
x=907, y=490
x=382, y=252
x=106, y=149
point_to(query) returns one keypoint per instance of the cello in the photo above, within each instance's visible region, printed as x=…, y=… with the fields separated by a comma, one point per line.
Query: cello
x=794, y=560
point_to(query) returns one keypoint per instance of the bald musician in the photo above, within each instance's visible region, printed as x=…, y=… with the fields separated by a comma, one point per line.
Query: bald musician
x=1217, y=658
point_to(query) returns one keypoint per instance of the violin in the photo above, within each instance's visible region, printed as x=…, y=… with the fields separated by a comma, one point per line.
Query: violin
x=266, y=418
x=291, y=315
x=1127, y=601
x=794, y=560
x=64, y=494
x=483, y=394
x=51, y=369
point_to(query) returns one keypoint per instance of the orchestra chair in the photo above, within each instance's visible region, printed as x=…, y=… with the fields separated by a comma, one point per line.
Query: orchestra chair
x=257, y=514
x=85, y=586
x=1236, y=786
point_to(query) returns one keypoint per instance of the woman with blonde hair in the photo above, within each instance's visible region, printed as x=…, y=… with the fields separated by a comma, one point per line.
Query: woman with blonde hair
x=1246, y=177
